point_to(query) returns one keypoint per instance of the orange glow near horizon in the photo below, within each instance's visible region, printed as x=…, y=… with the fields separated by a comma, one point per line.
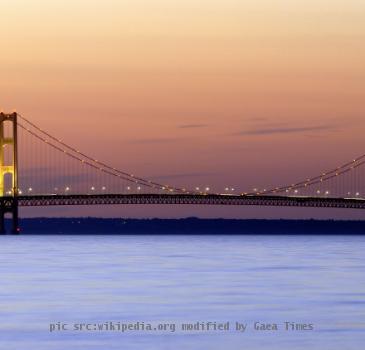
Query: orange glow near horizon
x=257, y=93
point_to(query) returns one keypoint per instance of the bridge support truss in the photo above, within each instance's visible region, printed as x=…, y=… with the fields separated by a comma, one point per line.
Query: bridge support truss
x=9, y=166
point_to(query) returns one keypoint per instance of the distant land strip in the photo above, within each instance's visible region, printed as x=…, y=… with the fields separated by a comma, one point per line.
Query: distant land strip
x=188, y=226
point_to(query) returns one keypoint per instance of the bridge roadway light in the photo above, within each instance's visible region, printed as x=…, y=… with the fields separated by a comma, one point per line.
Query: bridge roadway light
x=103, y=188
x=67, y=189
x=92, y=188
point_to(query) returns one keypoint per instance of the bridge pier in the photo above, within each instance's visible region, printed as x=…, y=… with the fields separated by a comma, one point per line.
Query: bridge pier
x=9, y=205
x=15, y=217
x=2, y=222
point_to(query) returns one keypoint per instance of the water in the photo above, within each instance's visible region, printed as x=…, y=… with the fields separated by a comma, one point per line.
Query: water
x=317, y=280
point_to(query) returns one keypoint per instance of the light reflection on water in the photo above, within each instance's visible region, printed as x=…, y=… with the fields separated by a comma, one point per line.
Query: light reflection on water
x=271, y=279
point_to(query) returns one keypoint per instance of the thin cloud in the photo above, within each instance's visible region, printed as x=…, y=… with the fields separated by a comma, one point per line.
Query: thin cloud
x=281, y=130
x=155, y=140
x=182, y=175
x=192, y=126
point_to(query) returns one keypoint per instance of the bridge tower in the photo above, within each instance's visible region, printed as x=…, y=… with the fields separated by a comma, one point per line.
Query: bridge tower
x=9, y=201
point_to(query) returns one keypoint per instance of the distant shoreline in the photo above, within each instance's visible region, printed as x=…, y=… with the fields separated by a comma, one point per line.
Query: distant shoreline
x=189, y=226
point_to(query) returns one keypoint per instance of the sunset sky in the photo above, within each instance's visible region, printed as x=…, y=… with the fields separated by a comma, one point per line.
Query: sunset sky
x=234, y=92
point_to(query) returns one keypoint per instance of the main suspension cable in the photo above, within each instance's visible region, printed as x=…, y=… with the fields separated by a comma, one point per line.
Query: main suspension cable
x=131, y=177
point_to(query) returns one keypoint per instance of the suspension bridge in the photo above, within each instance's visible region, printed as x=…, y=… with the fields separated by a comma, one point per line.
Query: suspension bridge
x=39, y=169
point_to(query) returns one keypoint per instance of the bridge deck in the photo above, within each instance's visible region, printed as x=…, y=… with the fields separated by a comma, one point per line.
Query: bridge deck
x=184, y=199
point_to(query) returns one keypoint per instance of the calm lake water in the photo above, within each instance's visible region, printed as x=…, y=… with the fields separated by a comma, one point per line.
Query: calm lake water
x=318, y=280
